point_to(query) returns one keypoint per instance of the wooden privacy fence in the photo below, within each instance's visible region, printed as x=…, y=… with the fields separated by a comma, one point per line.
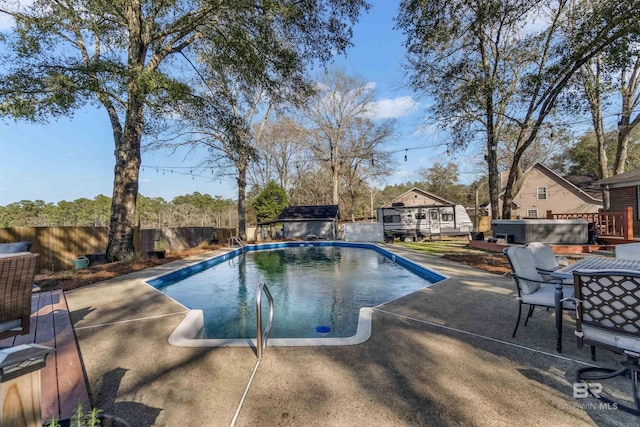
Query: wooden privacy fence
x=58, y=246
x=175, y=239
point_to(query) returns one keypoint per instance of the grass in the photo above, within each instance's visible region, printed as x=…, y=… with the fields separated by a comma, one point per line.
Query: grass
x=458, y=250
x=444, y=246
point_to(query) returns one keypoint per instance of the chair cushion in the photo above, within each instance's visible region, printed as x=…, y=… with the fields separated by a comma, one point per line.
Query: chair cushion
x=545, y=296
x=15, y=324
x=621, y=341
x=8, y=248
x=628, y=251
x=544, y=257
x=524, y=267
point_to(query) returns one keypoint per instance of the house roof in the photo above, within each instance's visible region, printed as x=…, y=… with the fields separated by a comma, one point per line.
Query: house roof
x=306, y=213
x=421, y=192
x=310, y=212
x=567, y=182
x=626, y=179
x=586, y=183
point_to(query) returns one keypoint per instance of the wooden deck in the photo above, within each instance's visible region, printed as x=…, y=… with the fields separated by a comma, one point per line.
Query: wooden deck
x=63, y=384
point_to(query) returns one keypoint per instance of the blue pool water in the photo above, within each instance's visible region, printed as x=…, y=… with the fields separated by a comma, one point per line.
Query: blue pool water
x=317, y=289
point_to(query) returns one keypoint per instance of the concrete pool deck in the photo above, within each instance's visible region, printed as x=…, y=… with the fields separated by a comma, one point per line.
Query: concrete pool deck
x=440, y=356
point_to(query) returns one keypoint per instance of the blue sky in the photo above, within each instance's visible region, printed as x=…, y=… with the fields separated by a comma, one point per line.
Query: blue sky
x=70, y=158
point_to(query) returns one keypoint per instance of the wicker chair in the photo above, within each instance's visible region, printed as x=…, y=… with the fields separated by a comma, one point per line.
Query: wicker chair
x=608, y=316
x=16, y=279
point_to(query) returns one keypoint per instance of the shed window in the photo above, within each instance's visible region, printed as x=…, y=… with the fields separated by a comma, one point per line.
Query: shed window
x=421, y=215
x=532, y=213
x=434, y=215
x=447, y=217
x=542, y=193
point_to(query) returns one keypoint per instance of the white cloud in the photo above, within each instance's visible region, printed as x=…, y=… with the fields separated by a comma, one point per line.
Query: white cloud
x=370, y=86
x=393, y=108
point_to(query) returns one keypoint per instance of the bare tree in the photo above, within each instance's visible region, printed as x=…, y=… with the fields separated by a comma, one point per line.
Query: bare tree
x=341, y=137
x=281, y=148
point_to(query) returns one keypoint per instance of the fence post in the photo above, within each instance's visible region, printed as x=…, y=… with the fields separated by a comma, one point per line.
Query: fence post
x=628, y=223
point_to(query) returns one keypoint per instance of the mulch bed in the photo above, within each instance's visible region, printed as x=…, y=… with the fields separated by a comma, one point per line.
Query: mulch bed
x=72, y=279
x=493, y=263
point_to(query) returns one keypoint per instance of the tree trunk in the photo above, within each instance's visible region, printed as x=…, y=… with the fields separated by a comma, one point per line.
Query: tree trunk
x=591, y=80
x=242, y=188
x=125, y=184
x=623, y=143
x=335, y=176
x=127, y=148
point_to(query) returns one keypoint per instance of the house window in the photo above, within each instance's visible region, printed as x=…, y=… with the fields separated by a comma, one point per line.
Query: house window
x=542, y=193
x=421, y=215
x=638, y=200
x=532, y=213
x=447, y=217
x=434, y=215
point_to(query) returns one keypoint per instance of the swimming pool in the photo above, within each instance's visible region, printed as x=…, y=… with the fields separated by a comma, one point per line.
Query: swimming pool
x=323, y=292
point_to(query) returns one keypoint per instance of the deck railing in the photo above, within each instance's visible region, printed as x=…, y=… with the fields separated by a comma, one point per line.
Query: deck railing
x=609, y=224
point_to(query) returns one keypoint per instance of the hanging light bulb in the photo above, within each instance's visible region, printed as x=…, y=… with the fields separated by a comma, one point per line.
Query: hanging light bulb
x=405, y=154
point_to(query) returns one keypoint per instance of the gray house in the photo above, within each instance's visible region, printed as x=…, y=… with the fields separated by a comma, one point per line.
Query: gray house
x=309, y=221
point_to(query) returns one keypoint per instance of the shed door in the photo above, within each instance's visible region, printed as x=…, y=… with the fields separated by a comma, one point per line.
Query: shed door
x=434, y=221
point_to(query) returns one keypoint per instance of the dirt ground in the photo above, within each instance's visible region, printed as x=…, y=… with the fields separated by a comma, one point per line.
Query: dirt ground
x=67, y=280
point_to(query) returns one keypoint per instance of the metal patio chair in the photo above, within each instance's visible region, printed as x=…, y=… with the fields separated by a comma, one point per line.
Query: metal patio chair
x=533, y=288
x=16, y=280
x=608, y=316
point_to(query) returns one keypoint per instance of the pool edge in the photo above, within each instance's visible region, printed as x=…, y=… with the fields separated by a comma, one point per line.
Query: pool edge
x=184, y=335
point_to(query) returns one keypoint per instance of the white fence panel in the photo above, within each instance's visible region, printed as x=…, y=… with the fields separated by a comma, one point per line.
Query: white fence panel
x=363, y=232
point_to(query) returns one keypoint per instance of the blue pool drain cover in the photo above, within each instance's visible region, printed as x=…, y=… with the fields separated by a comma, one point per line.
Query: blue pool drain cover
x=323, y=329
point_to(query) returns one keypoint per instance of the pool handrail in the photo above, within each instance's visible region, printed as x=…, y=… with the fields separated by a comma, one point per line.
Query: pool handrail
x=238, y=240
x=261, y=337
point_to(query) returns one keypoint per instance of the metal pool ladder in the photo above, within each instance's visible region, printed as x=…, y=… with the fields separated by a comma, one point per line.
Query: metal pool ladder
x=261, y=338
x=236, y=240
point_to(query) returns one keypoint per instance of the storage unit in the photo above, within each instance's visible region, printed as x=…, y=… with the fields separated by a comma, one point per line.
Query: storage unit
x=566, y=231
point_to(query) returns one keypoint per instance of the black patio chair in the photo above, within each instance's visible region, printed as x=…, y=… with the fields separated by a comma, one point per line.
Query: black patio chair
x=608, y=316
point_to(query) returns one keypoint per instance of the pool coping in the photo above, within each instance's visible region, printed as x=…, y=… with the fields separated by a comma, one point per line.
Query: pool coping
x=185, y=334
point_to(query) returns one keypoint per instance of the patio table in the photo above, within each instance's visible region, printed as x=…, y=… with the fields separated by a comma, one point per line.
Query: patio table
x=588, y=263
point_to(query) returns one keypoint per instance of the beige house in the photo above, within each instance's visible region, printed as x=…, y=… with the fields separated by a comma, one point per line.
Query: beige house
x=544, y=190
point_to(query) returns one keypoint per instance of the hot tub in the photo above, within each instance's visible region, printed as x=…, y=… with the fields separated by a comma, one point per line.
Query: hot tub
x=566, y=231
